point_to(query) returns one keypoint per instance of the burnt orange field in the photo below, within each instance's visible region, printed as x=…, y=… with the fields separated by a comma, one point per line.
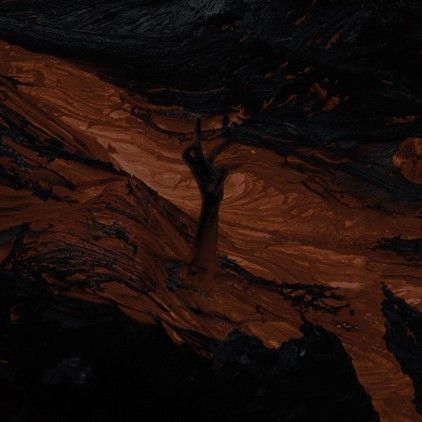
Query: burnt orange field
x=277, y=222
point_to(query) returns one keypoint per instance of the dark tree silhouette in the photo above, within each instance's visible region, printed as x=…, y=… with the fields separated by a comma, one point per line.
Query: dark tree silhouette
x=210, y=180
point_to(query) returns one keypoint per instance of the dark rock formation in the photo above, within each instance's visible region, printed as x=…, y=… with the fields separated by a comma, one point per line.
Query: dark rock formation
x=69, y=360
x=404, y=338
x=410, y=248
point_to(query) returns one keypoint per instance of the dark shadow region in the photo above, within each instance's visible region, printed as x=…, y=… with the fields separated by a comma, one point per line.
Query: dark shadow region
x=63, y=359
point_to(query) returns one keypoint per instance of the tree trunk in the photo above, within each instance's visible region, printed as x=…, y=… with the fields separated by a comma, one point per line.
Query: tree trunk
x=210, y=180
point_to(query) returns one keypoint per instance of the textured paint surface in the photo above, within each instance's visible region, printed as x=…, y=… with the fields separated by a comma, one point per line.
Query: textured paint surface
x=97, y=202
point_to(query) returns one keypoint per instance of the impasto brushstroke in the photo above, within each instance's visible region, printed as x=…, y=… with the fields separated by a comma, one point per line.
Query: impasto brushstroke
x=210, y=210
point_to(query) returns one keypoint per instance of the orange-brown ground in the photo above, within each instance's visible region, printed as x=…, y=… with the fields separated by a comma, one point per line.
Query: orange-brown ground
x=276, y=222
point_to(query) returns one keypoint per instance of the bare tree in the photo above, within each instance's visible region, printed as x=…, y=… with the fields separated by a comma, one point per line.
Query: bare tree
x=210, y=180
